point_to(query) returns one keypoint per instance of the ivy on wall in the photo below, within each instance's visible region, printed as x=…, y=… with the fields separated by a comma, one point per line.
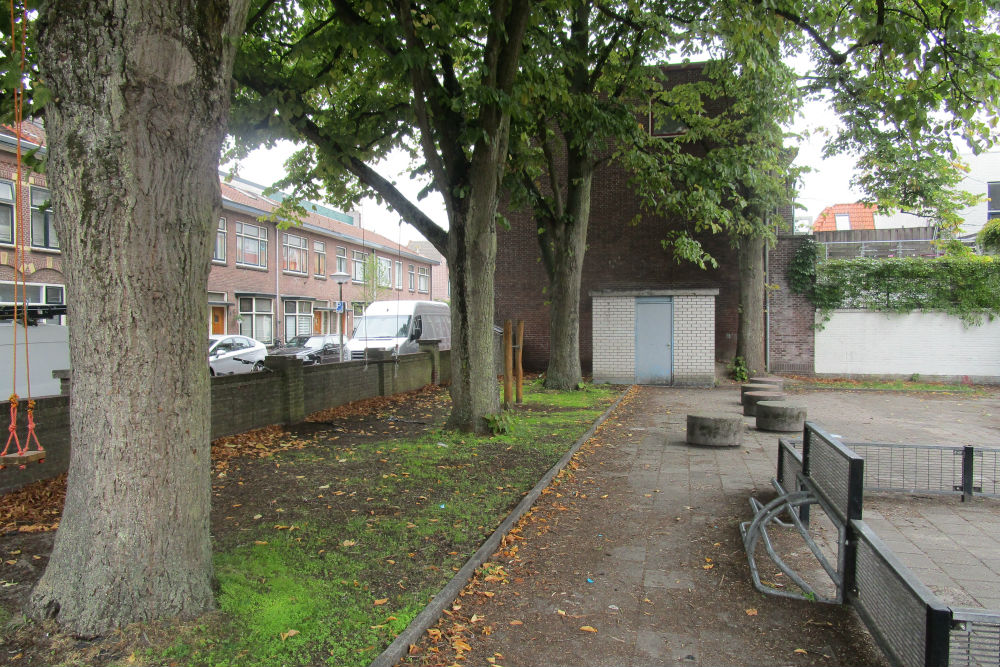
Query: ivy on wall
x=966, y=286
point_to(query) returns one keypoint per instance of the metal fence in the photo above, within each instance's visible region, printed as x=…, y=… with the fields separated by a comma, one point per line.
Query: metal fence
x=911, y=624
x=938, y=469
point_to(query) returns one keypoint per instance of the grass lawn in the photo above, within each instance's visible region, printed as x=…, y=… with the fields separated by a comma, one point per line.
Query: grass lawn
x=328, y=548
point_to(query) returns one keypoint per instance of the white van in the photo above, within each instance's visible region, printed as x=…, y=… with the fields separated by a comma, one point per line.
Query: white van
x=397, y=326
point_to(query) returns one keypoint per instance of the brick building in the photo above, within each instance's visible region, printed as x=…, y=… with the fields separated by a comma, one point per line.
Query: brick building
x=626, y=273
x=265, y=282
x=272, y=284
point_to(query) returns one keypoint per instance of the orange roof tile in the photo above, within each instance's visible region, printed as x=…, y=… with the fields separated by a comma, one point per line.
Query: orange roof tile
x=861, y=216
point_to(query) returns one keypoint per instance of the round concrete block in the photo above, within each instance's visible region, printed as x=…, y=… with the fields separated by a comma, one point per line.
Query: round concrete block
x=744, y=388
x=751, y=398
x=777, y=383
x=780, y=416
x=714, y=430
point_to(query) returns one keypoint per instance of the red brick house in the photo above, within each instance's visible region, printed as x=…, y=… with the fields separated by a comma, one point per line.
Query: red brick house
x=266, y=282
x=272, y=283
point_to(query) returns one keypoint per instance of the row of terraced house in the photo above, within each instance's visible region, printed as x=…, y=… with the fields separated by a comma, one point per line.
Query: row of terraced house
x=265, y=282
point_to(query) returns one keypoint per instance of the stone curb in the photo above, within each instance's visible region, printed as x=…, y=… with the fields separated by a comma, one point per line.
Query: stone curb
x=429, y=616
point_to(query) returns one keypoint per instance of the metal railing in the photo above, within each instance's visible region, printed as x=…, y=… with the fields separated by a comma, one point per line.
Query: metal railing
x=911, y=624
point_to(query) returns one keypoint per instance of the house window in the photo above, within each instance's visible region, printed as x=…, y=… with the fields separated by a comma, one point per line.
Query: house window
x=319, y=261
x=412, y=281
x=294, y=253
x=423, y=279
x=399, y=275
x=6, y=212
x=251, y=246
x=298, y=318
x=257, y=317
x=219, y=254
x=993, y=205
x=663, y=122
x=358, y=265
x=341, y=259
x=843, y=221
x=43, y=234
x=384, y=271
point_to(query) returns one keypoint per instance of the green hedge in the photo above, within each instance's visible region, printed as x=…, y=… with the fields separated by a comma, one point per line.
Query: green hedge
x=965, y=286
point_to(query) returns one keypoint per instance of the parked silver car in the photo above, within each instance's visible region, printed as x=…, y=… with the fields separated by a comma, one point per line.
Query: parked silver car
x=235, y=354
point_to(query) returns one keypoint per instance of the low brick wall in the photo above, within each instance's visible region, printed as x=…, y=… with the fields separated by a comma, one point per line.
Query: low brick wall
x=244, y=402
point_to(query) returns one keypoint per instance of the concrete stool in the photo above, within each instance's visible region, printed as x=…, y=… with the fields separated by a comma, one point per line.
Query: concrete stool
x=714, y=430
x=780, y=416
x=751, y=398
x=777, y=383
x=744, y=388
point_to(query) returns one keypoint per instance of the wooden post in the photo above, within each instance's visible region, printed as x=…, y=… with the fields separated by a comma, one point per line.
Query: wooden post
x=519, y=369
x=508, y=364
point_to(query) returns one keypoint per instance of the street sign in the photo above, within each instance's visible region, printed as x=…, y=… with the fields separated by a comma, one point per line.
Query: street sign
x=338, y=306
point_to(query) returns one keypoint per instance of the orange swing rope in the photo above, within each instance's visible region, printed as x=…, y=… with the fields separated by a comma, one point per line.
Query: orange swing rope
x=24, y=453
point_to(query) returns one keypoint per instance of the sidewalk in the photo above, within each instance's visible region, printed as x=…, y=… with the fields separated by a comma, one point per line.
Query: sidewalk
x=636, y=559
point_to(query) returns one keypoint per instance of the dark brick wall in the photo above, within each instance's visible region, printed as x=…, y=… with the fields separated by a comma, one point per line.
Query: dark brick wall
x=243, y=402
x=791, y=341
x=620, y=255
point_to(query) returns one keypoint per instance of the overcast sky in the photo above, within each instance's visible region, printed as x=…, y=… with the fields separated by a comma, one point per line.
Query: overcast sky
x=827, y=184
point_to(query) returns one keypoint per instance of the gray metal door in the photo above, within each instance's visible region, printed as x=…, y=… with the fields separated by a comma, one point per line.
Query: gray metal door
x=654, y=336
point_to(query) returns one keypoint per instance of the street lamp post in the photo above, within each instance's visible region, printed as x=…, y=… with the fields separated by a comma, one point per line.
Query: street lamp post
x=340, y=277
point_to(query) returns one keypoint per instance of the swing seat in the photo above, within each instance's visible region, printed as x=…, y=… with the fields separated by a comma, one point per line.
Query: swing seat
x=22, y=459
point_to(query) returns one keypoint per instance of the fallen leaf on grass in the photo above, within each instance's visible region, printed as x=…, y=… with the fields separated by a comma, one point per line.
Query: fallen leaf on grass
x=476, y=618
x=751, y=612
x=517, y=622
x=349, y=543
x=560, y=612
x=290, y=633
x=707, y=567
x=381, y=601
x=587, y=628
x=800, y=650
x=260, y=543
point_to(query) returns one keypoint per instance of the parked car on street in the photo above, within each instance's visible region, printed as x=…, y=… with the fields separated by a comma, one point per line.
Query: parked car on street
x=315, y=349
x=228, y=355
x=399, y=326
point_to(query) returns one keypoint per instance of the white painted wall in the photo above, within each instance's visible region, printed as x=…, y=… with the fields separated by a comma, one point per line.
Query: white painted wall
x=48, y=350
x=983, y=168
x=858, y=342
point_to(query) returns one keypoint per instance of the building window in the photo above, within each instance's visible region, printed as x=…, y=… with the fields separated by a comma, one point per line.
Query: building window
x=423, y=279
x=663, y=122
x=843, y=221
x=993, y=205
x=319, y=259
x=412, y=281
x=43, y=234
x=251, y=245
x=341, y=259
x=298, y=318
x=6, y=212
x=257, y=317
x=219, y=254
x=399, y=275
x=384, y=272
x=294, y=253
x=358, y=265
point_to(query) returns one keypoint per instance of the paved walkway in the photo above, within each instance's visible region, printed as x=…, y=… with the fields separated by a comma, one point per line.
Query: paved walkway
x=649, y=554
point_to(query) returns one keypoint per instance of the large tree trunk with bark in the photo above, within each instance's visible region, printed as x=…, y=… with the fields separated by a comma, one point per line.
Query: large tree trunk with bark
x=472, y=255
x=750, y=331
x=567, y=247
x=140, y=96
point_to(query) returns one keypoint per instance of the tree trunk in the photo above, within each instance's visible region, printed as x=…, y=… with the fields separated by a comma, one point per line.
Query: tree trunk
x=140, y=97
x=472, y=255
x=750, y=332
x=565, y=269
